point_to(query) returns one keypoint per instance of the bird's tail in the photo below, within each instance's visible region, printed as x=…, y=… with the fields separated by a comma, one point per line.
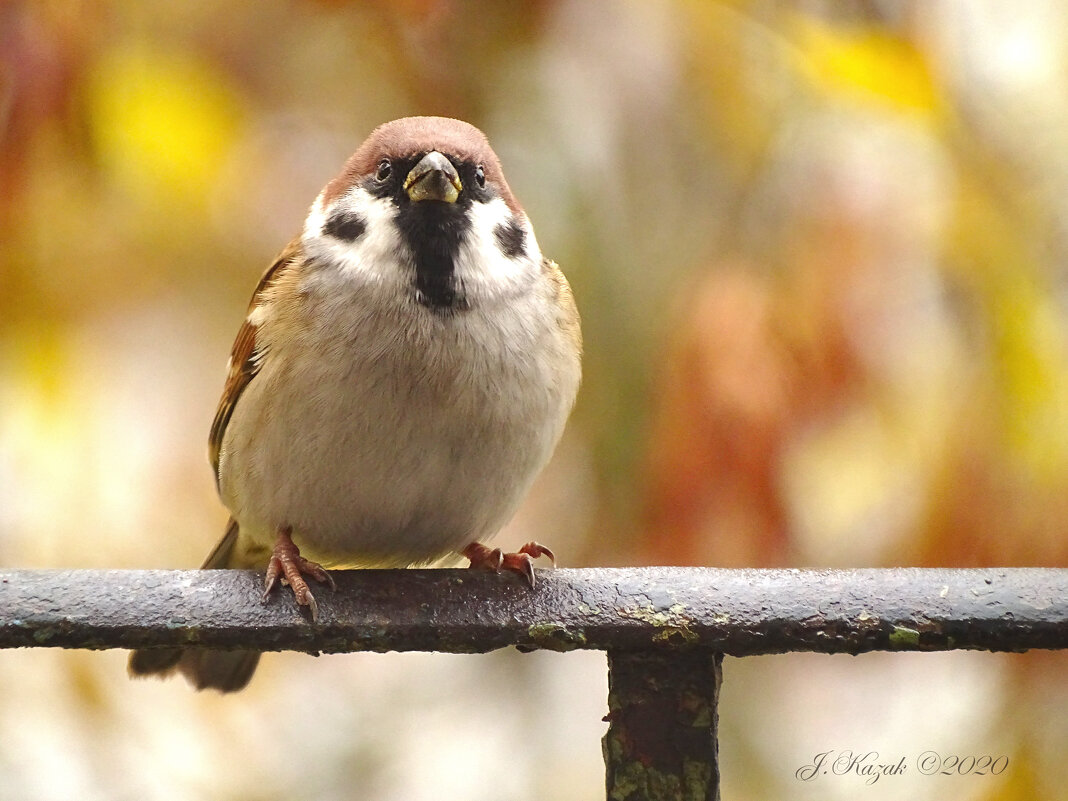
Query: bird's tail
x=225, y=671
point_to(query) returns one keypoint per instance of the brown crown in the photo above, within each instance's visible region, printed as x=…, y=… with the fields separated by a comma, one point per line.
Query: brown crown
x=414, y=136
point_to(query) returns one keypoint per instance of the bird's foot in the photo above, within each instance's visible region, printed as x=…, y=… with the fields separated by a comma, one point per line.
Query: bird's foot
x=288, y=565
x=522, y=562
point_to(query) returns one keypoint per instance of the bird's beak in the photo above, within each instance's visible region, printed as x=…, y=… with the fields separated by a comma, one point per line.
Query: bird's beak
x=433, y=178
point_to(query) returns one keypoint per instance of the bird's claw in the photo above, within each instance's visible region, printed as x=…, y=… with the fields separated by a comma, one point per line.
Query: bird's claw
x=289, y=567
x=522, y=561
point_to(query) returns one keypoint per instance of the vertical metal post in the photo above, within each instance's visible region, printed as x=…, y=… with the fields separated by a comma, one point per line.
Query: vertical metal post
x=662, y=711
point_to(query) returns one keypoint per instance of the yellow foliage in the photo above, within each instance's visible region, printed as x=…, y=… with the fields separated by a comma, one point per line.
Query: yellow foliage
x=867, y=63
x=1030, y=352
x=162, y=122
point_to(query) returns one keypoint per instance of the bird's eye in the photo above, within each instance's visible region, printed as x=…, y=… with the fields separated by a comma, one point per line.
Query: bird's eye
x=480, y=177
x=385, y=169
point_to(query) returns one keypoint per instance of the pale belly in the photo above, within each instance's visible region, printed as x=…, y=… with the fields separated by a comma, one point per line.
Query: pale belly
x=382, y=467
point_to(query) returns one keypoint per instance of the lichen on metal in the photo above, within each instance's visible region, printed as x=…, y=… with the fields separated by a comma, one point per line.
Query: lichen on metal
x=553, y=636
x=902, y=637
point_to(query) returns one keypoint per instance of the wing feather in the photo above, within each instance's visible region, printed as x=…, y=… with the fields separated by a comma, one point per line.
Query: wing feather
x=245, y=356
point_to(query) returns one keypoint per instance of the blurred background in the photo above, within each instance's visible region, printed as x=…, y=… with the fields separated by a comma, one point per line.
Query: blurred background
x=821, y=254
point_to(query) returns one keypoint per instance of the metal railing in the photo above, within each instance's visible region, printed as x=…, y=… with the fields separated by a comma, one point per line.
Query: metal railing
x=665, y=630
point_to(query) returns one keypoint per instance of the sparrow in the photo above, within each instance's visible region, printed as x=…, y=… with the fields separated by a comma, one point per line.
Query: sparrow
x=405, y=370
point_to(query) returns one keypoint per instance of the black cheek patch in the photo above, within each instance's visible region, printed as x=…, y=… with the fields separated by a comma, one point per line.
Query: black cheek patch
x=511, y=238
x=346, y=226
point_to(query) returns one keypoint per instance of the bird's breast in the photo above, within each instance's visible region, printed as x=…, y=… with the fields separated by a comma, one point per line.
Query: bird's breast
x=388, y=433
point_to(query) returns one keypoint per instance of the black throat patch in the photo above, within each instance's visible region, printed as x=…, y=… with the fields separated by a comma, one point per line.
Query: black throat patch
x=435, y=231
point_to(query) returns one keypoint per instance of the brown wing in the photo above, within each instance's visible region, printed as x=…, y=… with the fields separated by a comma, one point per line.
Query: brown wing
x=565, y=302
x=245, y=357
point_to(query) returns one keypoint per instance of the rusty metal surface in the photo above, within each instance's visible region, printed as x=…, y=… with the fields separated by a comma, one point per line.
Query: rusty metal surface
x=737, y=612
x=662, y=725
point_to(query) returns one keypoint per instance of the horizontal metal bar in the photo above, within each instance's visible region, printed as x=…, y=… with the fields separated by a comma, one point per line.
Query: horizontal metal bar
x=737, y=612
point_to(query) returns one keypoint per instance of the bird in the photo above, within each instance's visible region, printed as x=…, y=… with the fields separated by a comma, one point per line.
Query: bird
x=405, y=370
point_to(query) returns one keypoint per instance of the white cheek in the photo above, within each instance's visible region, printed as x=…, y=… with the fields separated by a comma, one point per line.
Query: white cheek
x=481, y=265
x=377, y=255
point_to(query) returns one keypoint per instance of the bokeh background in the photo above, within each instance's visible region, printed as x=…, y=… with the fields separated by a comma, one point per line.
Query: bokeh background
x=821, y=253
